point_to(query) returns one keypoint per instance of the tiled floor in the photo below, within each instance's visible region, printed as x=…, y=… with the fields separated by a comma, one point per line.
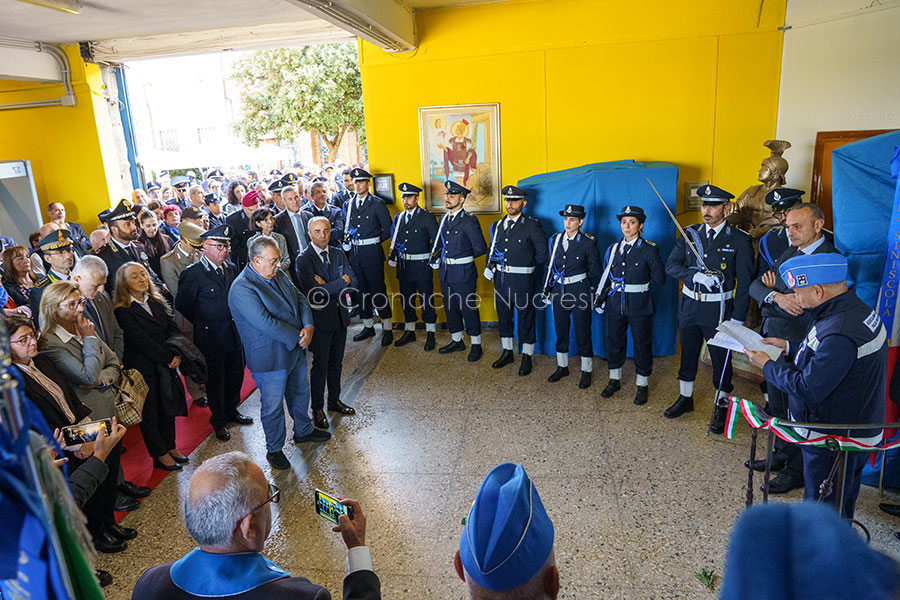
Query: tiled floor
x=639, y=502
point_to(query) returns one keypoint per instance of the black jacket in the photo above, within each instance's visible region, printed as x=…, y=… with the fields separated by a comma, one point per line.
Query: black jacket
x=193, y=364
x=45, y=403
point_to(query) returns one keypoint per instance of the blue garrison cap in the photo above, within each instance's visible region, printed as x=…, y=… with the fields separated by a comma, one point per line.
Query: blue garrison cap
x=508, y=536
x=711, y=194
x=408, y=189
x=781, y=198
x=513, y=193
x=455, y=188
x=802, y=551
x=632, y=211
x=813, y=269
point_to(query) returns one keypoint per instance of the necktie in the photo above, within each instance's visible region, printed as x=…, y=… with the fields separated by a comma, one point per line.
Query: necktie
x=94, y=316
x=221, y=273
x=324, y=255
x=298, y=227
x=710, y=236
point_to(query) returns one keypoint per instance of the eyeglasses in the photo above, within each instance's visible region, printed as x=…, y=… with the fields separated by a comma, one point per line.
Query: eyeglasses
x=274, y=497
x=30, y=337
x=219, y=247
x=73, y=304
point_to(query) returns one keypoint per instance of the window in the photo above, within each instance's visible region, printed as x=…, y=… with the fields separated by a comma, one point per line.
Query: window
x=168, y=140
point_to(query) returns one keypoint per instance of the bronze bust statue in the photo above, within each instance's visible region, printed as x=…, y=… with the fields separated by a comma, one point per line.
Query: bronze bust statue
x=751, y=213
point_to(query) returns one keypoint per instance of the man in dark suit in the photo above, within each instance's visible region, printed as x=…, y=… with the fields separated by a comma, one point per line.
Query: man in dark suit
x=784, y=318
x=121, y=246
x=90, y=274
x=709, y=296
x=324, y=274
x=367, y=223
x=319, y=207
x=57, y=213
x=275, y=323
x=291, y=223
x=412, y=236
x=239, y=223
x=202, y=299
x=229, y=562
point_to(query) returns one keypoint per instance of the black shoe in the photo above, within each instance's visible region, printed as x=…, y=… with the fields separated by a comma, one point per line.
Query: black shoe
x=387, y=337
x=475, y=353
x=239, y=419
x=558, y=374
x=121, y=533
x=366, y=333
x=126, y=503
x=202, y=402
x=407, y=337
x=135, y=491
x=717, y=426
x=506, y=358
x=353, y=311
x=611, y=388
x=340, y=407
x=429, y=341
x=759, y=465
x=585, y=381
x=784, y=482
x=317, y=435
x=222, y=434
x=452, y=347
x=108, y=544
x=525, y=367
x=679, y=407
x=103, y=577
x=180, y=458
x=278, y=460
x=319, y=420
x=159, y=465
x=641, y=396
x=891, y=509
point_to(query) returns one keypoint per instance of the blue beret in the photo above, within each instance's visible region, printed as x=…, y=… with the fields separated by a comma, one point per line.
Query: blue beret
x=784, y=551
x=711, y=194
x=508, y=536
x=455, y=188
x=813, y=269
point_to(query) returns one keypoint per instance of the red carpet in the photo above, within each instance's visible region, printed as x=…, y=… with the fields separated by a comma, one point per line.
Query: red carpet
x=190, y=431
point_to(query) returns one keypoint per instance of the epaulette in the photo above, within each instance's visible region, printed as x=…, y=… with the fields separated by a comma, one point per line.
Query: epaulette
x=649, y=242
x=42, y=282
x=588, y=236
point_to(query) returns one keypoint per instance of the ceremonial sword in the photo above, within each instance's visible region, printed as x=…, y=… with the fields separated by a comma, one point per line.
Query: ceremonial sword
x=684, y=234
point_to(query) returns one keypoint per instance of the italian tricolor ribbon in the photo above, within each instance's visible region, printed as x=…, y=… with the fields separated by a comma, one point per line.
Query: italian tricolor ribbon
x=760, y=420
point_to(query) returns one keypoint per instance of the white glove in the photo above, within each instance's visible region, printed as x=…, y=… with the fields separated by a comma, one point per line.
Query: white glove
x=703, y=279
x=489, y=274
x=392, y=263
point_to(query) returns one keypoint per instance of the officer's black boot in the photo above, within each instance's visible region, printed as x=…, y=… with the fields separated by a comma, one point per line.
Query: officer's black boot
x=641, y=396
x=525, y=367
x=366, y=333
x=429, y=341
x=585, y=382
x=611, y=388
x=453, y=346
x=475, y=353
x=558, y=374
x=407, y=337
x=387, y=337
x=679, y=407
x=717, y=425
x=506, y=358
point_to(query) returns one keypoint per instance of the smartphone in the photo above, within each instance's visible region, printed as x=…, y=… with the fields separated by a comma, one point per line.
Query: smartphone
x=330, y=508
x=86, y=432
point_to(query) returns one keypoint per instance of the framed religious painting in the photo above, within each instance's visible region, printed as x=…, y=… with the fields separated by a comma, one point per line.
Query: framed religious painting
x=461, y=143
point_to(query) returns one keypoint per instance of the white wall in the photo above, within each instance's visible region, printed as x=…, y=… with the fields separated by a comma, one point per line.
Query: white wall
x=840, y=71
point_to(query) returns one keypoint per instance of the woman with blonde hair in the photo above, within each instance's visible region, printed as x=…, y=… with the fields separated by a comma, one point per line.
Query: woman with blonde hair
x=147, y=323
x=18, y=276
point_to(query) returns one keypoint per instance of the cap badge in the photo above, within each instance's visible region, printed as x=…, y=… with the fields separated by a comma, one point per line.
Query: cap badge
x=776, y=196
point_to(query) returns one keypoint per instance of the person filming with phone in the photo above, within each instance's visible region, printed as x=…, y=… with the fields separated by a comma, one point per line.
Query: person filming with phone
x=228, y=513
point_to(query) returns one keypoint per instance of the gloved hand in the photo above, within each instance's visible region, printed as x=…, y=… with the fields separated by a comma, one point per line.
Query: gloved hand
x=703, y=279
x=488, y=273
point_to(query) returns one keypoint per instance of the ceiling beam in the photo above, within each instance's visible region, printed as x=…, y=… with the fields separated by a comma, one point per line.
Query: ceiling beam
x=27, y=64
x=388, y=24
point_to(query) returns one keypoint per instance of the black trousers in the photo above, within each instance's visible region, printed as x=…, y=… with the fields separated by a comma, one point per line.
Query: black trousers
x=372, y=290
x=327, y=364
x=418, y=294
x=508, y=302
x=100, y=507
x=692, y=337
x=641, y=336
x=574, y=309
x=778, y=407
x=223, y=388
x=157, y=428
x=461, y=304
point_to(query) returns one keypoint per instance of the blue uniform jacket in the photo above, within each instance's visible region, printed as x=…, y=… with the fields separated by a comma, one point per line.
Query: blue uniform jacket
x=522, y=245
x=269, y=316
x=460, y=238
x=839, y=372
x=372, y=220
x=414, y=237
x=732, y=255
x=583, y=256
x=642, y=266
x=334, y=216
x=203, y=300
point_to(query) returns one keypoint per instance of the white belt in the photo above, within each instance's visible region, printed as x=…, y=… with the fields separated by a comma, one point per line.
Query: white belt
x=518, y=270
x=714, y=297
x=424, y=256
x=366, y=241
x=574, y=278
x=463, y=260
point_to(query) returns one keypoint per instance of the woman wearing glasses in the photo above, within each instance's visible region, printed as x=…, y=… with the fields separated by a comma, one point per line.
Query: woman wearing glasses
x=147, y=323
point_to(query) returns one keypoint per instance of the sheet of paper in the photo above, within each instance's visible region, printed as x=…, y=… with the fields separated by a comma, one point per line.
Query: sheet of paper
x=737, y=337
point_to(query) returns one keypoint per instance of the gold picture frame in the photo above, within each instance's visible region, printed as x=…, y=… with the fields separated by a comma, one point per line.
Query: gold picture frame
x=461, y=142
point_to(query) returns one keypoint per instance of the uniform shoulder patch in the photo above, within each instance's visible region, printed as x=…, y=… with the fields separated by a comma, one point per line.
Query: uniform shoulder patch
x=42, y=282
x=873, y=321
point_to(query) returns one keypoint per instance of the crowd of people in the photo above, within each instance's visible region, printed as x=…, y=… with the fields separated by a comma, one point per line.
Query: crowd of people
x=192, y=281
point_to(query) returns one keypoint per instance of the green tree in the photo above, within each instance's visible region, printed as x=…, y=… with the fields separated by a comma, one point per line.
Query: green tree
x=288, y=90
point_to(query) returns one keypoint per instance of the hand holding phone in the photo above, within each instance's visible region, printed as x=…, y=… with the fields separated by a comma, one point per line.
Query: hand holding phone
x=331, y=508
x=86, y=432
x=353, y=531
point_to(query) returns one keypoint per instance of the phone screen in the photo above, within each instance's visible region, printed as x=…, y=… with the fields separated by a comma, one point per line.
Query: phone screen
x=86, y=432
x=330, y=508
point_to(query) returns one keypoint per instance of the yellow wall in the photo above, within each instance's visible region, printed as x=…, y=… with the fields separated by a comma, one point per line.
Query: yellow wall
x=64, y=144
x=694, y=83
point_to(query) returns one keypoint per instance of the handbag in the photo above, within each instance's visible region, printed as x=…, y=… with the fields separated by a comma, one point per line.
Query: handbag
x=131, y=392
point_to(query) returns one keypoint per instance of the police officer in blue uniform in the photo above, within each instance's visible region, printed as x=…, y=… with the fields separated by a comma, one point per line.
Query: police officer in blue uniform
x=838, y=374
x=631, y=266
x=367, y=223
x=181, y=185
x=709, y=296
x=413, y=233
x=573, y=273
x=458, y=243
x=203, y=300
x=275, y=189
x=516, y=261
x=216, y=216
